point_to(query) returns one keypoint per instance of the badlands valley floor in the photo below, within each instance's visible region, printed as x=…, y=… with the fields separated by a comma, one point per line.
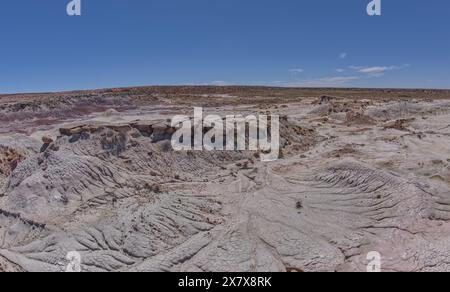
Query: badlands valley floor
x=94, y=172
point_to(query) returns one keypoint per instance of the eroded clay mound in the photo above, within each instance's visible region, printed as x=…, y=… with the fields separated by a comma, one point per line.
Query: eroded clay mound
x=354, y=176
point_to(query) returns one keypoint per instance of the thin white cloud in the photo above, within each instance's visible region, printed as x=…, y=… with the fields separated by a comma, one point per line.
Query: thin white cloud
x=220, y=83
x=343, y=55
x=340, y=70
x=212, y=83
x=377, y=70
x=335, y=81
x=296, y=71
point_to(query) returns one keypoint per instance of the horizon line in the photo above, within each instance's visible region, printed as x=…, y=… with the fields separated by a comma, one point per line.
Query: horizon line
x=220, y=86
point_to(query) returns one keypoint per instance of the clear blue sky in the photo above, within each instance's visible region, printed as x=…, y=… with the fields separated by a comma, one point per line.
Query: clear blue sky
x=119, y=43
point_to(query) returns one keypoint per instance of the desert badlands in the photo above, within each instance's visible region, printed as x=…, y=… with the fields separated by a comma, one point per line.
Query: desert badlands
x=93, y=174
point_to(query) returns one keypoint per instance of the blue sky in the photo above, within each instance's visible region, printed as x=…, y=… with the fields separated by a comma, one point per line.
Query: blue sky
x=119, y=43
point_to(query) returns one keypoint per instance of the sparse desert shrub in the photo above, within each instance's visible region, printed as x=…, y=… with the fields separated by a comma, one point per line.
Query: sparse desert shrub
x=9, y=159
x=154, y=188
x=114, y=142
x=166, y=146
